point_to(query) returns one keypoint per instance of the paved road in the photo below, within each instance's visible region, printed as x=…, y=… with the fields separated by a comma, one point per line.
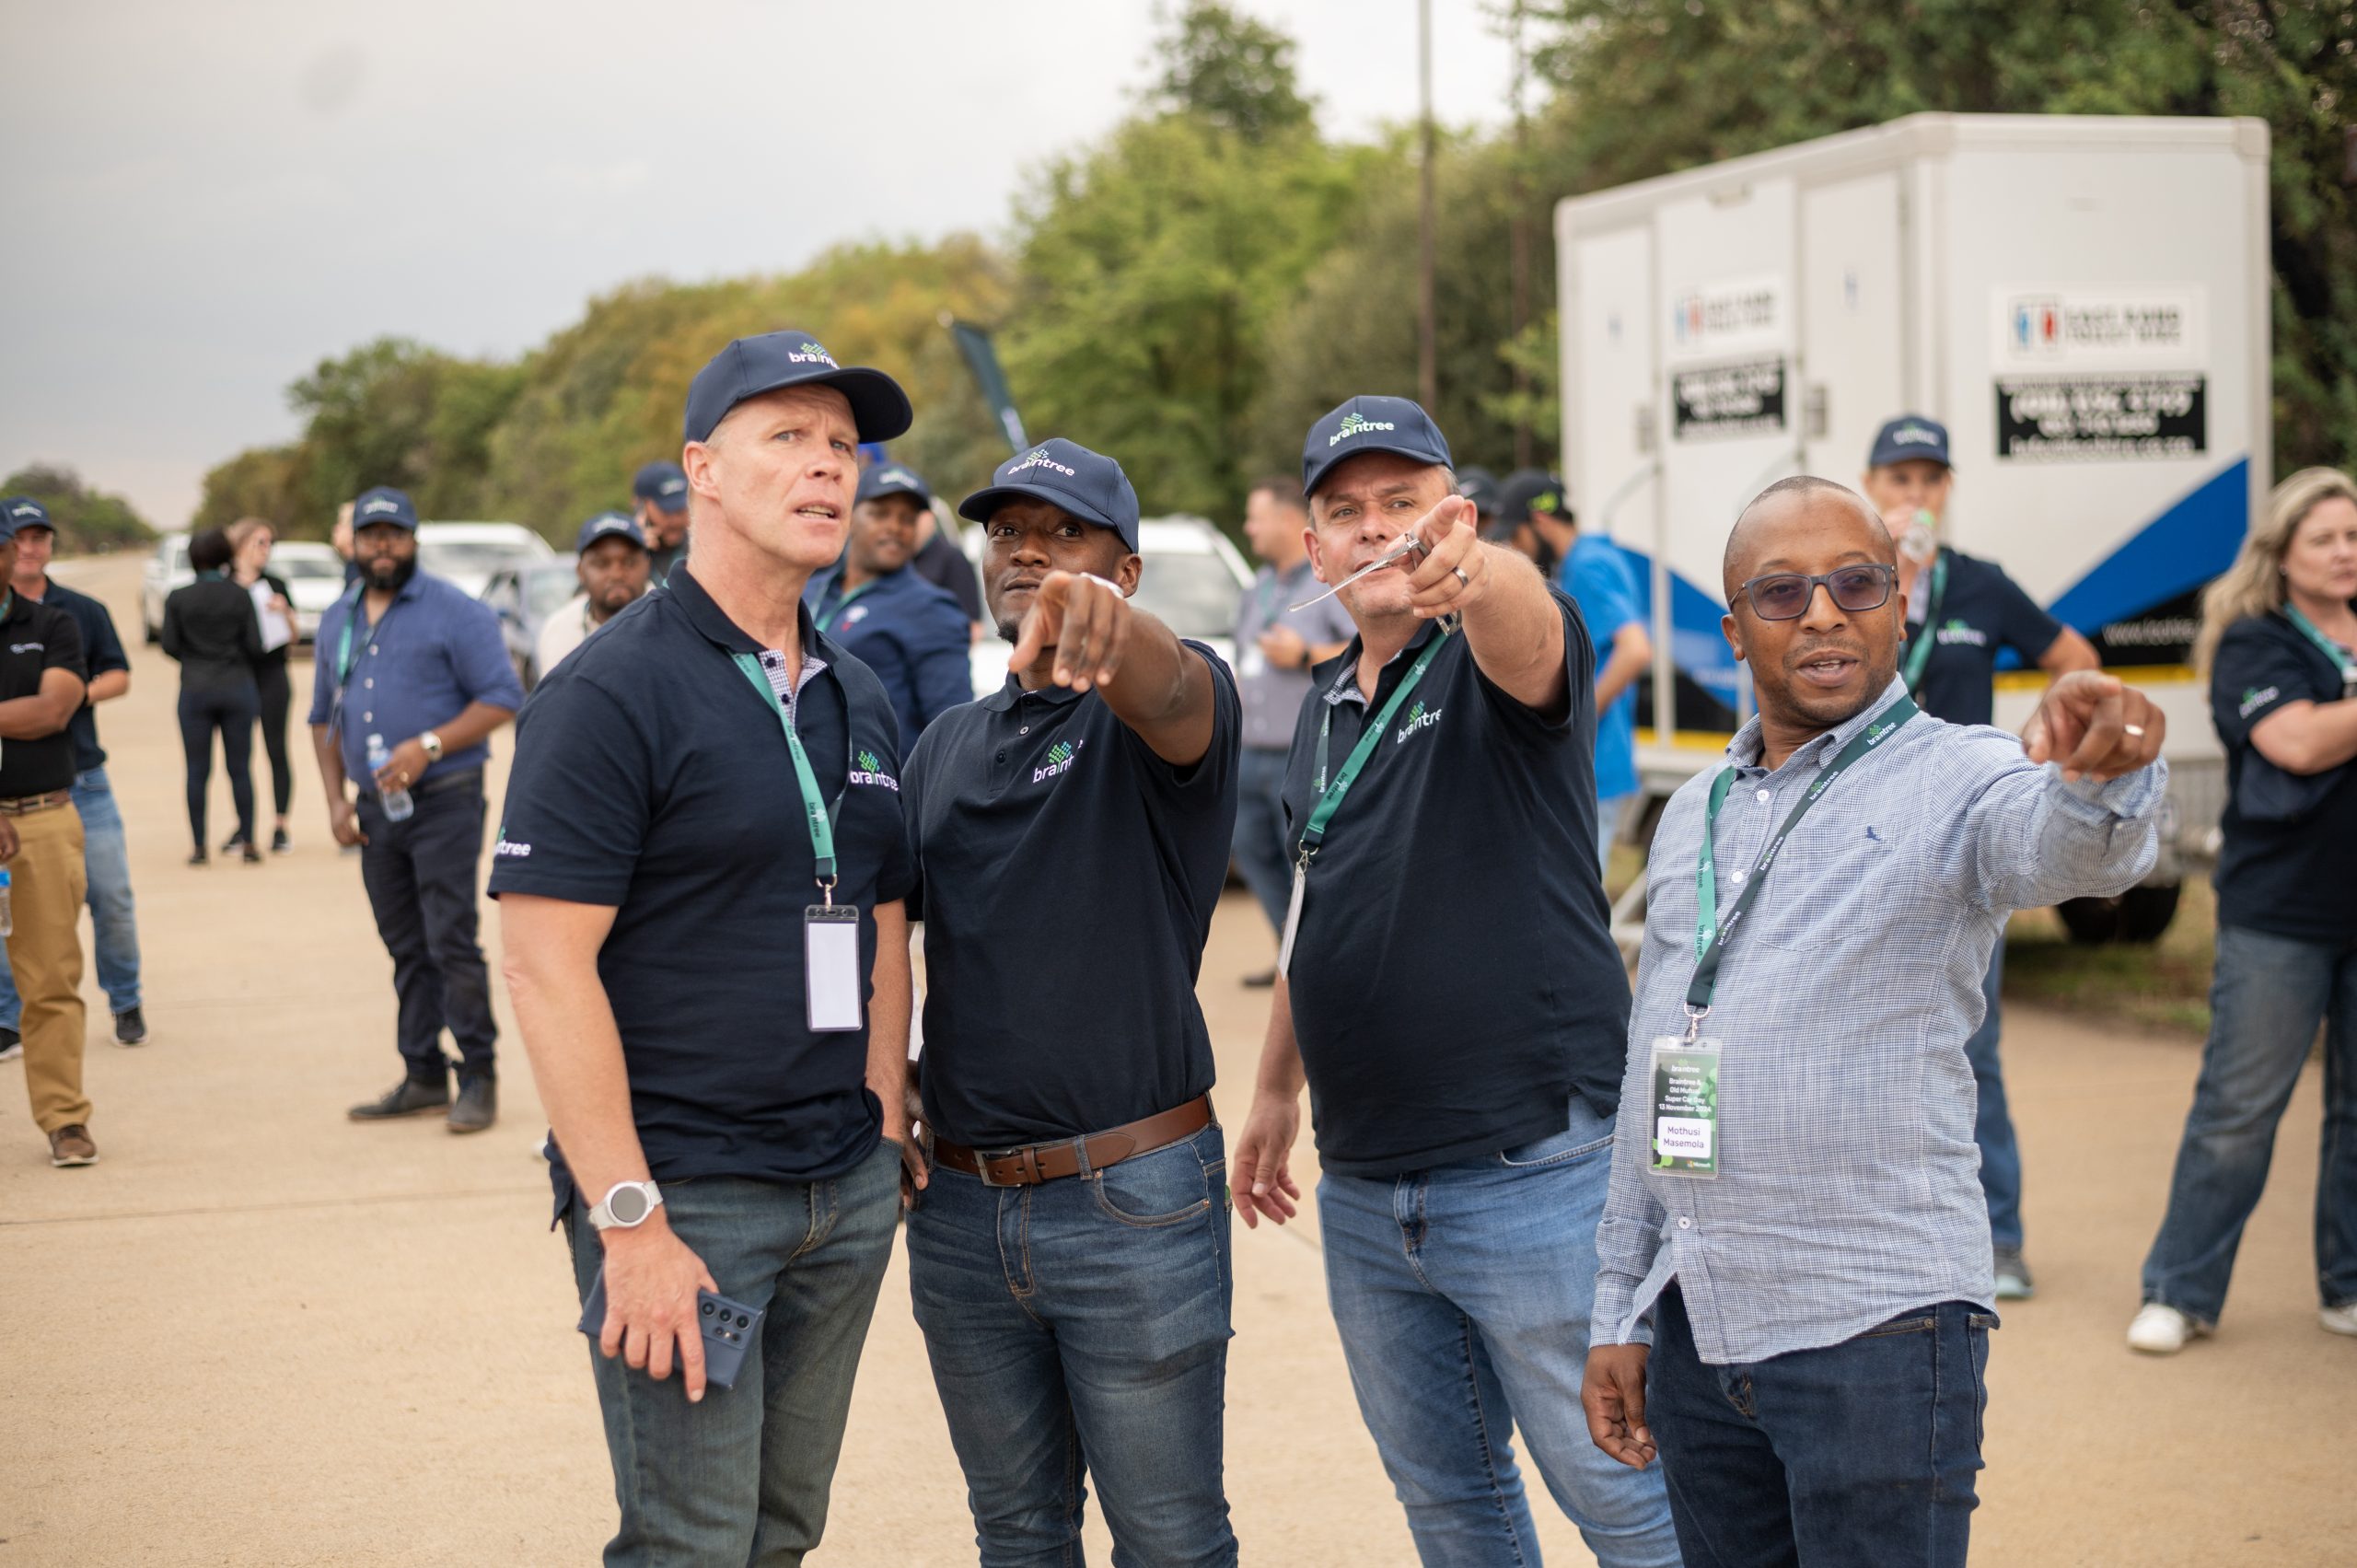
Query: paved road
x=259, y=1334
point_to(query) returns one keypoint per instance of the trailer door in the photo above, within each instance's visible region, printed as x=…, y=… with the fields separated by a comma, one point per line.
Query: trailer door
x=1852, y=372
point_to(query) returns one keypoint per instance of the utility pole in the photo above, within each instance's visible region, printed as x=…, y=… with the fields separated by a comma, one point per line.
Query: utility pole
x=1519, y=244
x=1427, y=323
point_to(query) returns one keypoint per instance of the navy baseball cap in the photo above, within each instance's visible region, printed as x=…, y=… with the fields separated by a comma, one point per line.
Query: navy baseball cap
x=22, y=512
x=383, y=505
x=665, y=484
x=1533, y=490
x=749, y=366
x=880, y=480
x=1907, y=438
x=1088, y=484
x=1371, y=424
x=1479, y=486
x=609, y=525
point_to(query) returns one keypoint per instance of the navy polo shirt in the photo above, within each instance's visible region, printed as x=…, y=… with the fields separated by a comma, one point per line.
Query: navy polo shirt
x=650, y=777
x=1981, y=611
x=432, y=651
x=1454, y=981
x=2288, y=863
x=102, y=651
x=1069, y=876
x=909, y=633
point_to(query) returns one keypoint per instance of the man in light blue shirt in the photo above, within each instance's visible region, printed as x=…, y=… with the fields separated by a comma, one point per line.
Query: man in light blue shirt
x=1597, y=575
x=1795, y=1224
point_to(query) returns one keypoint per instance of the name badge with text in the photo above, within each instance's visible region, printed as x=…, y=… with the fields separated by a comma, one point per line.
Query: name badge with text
x=1683, y=1125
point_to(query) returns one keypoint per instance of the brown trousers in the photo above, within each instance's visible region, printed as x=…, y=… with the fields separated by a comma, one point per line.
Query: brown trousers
x=48, y=885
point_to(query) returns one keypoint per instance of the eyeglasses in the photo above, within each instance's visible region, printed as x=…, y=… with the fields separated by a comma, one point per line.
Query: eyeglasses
x=1784, y=595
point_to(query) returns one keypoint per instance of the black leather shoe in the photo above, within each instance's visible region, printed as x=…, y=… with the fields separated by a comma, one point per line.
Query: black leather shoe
x=408, y=1097
x=478, y=1106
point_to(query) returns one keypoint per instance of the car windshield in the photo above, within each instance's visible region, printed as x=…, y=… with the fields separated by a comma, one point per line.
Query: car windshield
x=1194, y=595
x=472, y=557
x=179, y=557
x=293, y=567
x=545, y=591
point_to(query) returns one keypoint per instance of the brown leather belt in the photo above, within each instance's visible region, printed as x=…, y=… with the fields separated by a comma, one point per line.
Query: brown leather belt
x=26, y=805
x=1034, y=1163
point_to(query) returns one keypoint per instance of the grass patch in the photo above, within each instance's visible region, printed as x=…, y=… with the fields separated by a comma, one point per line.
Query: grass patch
x=2162, y=986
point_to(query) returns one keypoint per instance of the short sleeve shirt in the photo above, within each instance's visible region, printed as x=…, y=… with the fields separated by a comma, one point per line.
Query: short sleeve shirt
x=1597, y=575
x=101, y=652
x=1454, y=980
x=36, y=638
x=651, y=776
x=909, y=632
x=2289, y=861
x=1273, y=697
x=1982, y=613
x=1069, y=878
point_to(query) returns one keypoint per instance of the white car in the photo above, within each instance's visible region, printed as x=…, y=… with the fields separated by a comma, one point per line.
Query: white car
x=1192, y=582
x=470, y=554
x=314, y=575
x=167, y=569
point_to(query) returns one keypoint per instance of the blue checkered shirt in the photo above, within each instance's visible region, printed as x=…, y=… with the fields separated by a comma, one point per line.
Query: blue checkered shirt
x=1849, y=1186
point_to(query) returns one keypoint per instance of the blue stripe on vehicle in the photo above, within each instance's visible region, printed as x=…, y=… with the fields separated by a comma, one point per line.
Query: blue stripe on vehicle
x=2178, y=550
x=1697, y=646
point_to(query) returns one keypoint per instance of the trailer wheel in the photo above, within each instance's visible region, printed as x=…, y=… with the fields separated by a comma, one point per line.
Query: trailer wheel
x=2138, y=915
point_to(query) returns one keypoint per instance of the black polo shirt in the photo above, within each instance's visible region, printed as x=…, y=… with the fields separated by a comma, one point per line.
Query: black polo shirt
x=35, y=637
x=650, y=775
x=102, y=651
x=1454, y=981
x=2288, y=865
x=1069, y=876
x=1981, y=611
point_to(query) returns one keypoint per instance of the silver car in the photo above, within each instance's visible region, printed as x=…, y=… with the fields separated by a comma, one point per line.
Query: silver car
x=167, y=569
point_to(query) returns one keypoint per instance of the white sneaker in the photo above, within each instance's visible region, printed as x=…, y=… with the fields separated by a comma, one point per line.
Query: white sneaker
x=2339, y=1319
x=2162, y=1330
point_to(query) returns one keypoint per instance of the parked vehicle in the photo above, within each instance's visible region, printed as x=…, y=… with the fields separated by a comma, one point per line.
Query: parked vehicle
x=314, y=575
x=167, y=569
x=524, y=597
x=471, y=554
x=2082, y=300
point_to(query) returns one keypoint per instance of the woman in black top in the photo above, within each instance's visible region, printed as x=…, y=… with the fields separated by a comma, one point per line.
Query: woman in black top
x=210, y=627
x=2278, y=639
x=253, y=540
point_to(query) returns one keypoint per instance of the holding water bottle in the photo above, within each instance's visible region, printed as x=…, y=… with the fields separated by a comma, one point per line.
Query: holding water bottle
x=397, y=802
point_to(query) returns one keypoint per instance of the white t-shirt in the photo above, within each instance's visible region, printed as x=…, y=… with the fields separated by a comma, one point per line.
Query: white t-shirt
x=563, y=631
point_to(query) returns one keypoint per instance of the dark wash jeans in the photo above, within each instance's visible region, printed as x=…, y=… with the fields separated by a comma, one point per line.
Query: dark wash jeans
x=2267, y=996
x=1262, y=853
x=744, y=1476
x=1080, y=1328
x=421, y=879
x=1859, y=1454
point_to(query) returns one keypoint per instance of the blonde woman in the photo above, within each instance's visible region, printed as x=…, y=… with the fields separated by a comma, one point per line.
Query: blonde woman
x=2279, y=643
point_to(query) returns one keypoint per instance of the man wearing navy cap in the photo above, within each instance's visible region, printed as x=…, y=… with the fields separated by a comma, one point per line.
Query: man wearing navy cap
x=42, y=686
x=661, y=492
x=1961, y=613
x=1069, y=1262
x=410, y=678
x=611, y=558
x=1453, y=997
x=909, y=631
x=726, y=1113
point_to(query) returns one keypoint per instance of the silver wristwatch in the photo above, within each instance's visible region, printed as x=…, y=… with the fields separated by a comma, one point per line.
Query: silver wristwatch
x=626, y=1206
x=433, y=745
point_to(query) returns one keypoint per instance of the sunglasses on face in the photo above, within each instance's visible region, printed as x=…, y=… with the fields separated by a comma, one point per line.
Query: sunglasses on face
x=1784, y=595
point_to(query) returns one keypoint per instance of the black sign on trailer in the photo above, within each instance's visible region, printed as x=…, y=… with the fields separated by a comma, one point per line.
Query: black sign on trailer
x=2096, y=418
x=1714, y=401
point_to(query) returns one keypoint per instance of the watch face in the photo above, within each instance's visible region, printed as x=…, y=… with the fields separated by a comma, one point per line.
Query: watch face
x=628, y=1205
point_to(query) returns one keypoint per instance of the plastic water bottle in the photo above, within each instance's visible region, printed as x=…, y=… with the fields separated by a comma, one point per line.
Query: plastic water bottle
x=7, y=917
x=396, y=804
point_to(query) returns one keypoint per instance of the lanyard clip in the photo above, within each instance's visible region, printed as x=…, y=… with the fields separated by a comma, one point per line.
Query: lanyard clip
x=1694, y=1017
x=826, y=891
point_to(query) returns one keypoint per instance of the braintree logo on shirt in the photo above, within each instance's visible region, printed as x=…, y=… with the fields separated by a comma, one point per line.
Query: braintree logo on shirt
x=1958, y=631
x=1060, y=760
x=1040, y=460
x=2256, y=698
x=1417, y=719
x=28, y=647
x=852, y=617
x=513, y=851
x=870, y=771
x=809, y=354
x=1354, y=424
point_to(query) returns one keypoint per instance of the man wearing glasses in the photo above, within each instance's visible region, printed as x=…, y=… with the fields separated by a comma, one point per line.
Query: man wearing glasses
x=1796, y=1225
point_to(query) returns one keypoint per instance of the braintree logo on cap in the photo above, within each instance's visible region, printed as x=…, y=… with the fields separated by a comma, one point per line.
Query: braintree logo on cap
x=23, y=509
x=896, y=476
x=381, y=503
x=1914, y=435
x=810, y=354
x=1040, y=460
x=1353, y=425
x=672, y=487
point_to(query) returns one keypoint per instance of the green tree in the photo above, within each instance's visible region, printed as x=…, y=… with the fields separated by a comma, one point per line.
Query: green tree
x=1230, y=72
x=85, y=520
x=395, y=412
x=270, y=482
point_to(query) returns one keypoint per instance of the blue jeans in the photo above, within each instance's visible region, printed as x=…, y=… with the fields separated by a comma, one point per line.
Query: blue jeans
x=1262, y=856
x=1993, y=1125
x=1607, y=828
x=1463, y=1295
x=2266, y=997
x=106, y=858
x=743, y=1478
x=1080, y=1328
x=1858, y=1454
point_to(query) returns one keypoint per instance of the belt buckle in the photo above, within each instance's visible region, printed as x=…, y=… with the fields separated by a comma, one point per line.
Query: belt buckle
x=1030, y=1153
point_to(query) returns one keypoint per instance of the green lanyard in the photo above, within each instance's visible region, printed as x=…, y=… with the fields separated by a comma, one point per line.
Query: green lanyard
x=1918, y=653
x=1710, y=937
x=834, y=616
x=343, y=655
x=2332, y=650
x=814, y=804
x=1330, y=795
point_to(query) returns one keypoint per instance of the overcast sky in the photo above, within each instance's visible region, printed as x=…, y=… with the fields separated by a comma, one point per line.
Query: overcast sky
x=203, y=201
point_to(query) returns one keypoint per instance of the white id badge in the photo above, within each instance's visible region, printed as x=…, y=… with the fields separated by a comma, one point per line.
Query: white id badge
x=1684, y=1134
x=1293, y=920
x=831, y=967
